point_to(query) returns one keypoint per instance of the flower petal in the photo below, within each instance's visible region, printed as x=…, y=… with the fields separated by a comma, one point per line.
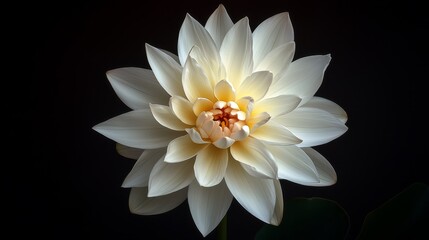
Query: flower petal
x=181, y=149
x=166, y=178
x=208, y=206
x=212, y=70
x=193, y=34
x=326, y=172
x=201, y=105
x=195, y=82
x=236, y=52
x=128, y=152
x=167, y=71
x=136, y=87
x=141, y=204
x=278, y=209
x=139, y=175
x=195, y=136
x=255, y=154
x=277, y=60
x=258, y=120
x=313, y=126
x=328, y=106
x=256, y=195
x=224, y=142
x=294, y=164
x=137, y=129
x=224, y=91
x=182, y=108
x=255, y=85
x=302, y=78
x=166, y=117
x=210, y=165
x=275, y=133
x=271, y=33
x=219, y=24
x=277, y=106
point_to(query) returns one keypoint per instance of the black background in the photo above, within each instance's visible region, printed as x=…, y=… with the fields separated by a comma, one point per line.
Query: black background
x=69, y=185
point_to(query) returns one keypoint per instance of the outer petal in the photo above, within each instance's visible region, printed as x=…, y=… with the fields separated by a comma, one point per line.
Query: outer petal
x=139, y=175
x=256, y=195
x=128, y=152
x=275, y=133
x=166, y=178
x=302, y=78
x=166, y=117
x=236, y=52
x=141, y=204
x=137, y=129
x=278, y=60
x=255, y=85
x=276, y=106
x=136, y=87
x=219, y=24
x=181, y=149
x=294, y=164
x=183, y=109
x=328, y=106
x=326, y=172
x=210, y=166
x=167, y=71
x=208, y=205
x=214, y=71
x=313, y=126
x=192, y=33
x=278, y=209
x=271, y=33
x=255, y=154
x=195, y=82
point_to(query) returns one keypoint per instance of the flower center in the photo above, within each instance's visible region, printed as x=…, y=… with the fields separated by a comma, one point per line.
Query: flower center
x=224, y=120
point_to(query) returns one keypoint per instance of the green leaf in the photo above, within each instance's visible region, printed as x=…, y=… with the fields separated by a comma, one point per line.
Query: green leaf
x=405, y=216
x=309, y=218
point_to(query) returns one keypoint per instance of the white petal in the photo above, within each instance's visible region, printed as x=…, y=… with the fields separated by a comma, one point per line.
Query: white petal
x=166, y=178
x=193, y=34
x=278, y=209
x=224, y=91
x=278, y=60
x=201, y=105
x=210, y=166
x=128, y=152
x=137, y=129
x=256, y=195
x=183, y=109
x=212, y=70
x=166, y=117
x=136, y=87
x=294, y=164
x=326, y=172
x=167, y=71
x=172, y=55
x=275, y=133
x=141, y=204
x=195, y=82
x=255, y=85
x=181, y=149
x=208, y=206
x=236, y=52
x=224, y=142
x=255, y=154
x=328, y=106
x=277, y=106
x=139, y=175
x=313, y=126
x=258, y=120
x=195, y=136
x=302, y=78
x=271, y=33
x=219, y=24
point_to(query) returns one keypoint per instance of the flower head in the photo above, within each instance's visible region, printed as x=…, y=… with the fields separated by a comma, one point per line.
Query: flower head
x=227, y=118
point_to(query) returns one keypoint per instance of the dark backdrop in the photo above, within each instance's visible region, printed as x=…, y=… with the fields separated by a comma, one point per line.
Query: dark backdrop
x=71, y=186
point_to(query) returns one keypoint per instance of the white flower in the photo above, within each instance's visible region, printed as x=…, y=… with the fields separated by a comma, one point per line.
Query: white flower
x=228, y=118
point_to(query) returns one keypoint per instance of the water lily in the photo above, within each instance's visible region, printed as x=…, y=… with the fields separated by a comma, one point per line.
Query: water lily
x=228, y=118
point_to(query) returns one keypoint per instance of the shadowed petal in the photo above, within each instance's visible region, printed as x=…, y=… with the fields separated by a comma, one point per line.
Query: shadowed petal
x=141, y=204
x=128, y=152
x=210, y=165
x=208, y=205
x=325, y=170
x=278, y=209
